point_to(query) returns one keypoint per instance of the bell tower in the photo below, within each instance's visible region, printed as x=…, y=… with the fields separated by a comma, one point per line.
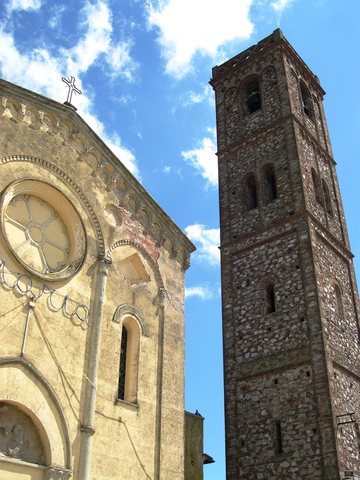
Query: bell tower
x=290, y=303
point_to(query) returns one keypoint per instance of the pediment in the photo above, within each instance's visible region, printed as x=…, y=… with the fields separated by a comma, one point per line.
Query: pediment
x=53, y=118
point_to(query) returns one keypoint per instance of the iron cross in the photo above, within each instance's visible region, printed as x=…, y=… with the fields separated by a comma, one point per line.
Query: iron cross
x=71, y=85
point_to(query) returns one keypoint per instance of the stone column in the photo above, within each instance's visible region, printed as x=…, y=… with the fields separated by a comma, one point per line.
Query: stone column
x=87, y=427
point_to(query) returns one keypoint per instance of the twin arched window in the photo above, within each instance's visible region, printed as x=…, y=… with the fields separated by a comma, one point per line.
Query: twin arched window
x=269, y=182
x=327, y=198
x=251, y=188
x=325, y=194
x=251, y=192
x=316, y=185
x=252, y=95
x=306, y=100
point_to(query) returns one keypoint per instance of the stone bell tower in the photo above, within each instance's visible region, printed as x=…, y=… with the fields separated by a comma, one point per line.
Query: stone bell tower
x=290, y=303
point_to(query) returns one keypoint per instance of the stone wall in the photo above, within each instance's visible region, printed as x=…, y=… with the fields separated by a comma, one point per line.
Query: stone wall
x=134, y=264
x=283, y=406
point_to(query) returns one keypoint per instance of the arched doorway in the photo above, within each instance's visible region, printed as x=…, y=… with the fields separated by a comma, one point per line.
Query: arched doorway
x=22, y=453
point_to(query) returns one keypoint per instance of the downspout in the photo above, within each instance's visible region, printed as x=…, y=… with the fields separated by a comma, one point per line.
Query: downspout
x=87, y=427
x=162, y=296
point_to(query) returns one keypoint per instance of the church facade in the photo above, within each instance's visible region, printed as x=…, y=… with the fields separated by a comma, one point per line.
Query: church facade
x=92, y=307
x=290, y=301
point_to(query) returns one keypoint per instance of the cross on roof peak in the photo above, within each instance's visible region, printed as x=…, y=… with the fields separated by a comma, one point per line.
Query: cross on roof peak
x=72, y=88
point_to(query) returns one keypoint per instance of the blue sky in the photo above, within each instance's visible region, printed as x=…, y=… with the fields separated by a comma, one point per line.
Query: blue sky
x=144, y=67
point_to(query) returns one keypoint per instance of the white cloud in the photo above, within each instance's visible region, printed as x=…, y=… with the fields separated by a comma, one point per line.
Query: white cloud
x=188, y=27
x=280, y=5
x=96, y=23
x=41, y=71
x=97, y=41
x=199, y=291
x=203, y=159
x=120, y=60
x=24, y=5
x=55, y=19
x=207, y=241
x=167, y=169
x=193, y=98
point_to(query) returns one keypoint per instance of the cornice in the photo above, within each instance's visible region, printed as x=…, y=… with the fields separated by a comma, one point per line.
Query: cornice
x=255, y=52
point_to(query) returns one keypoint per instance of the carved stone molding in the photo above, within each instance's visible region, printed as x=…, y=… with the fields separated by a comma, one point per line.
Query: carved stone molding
x=154, y=266
x=125, y=309
x=53, y=168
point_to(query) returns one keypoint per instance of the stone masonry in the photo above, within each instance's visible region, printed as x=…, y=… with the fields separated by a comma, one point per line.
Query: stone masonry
x=290, y=303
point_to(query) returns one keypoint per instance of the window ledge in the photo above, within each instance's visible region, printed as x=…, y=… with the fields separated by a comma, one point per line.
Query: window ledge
x=129, y=405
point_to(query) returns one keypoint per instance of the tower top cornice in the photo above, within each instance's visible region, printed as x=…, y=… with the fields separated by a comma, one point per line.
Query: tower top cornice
x=277, y=38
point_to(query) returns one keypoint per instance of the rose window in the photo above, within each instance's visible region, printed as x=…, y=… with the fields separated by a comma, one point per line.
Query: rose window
x=42, y=229
x=38, y=235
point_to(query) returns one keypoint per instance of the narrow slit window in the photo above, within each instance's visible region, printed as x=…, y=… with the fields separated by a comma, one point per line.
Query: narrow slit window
x=270, y=299
x=122, y=369
x=251, y=196
x=327, y=197
x=270, y=188
x=279, y=437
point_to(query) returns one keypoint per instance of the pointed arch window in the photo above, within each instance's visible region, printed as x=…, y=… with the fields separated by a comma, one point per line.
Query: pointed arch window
x=251, y=194
x=129, y=360
x=327, y=197
x=316, y=185
x=269, y=182
x=252, y=96
x=306, y=100
x=270, y=298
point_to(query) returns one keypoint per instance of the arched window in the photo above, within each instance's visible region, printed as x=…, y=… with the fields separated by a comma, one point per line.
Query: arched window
x=251, y=196
x=270, y=298
x=339, y=302
x=129, y=360
x=306, y=100
x=316, y=185
x=328, y=205
x=269, y=182
x=252, y=96
x=122, y=369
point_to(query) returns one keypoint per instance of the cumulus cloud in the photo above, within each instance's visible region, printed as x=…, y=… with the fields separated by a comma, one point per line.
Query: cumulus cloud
x=188, y=27
x=40, y=70
x=24, y=5
x=120, y=61
x=200, y=291
x=192, y=98
x=203, y=158
x=57, y=13
x=280, y=5
x=207, y=241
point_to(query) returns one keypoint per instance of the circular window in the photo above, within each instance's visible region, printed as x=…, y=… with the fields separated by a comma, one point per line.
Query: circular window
x=42, y=229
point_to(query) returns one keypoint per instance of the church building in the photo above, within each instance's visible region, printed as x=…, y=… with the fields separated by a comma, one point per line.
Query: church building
x=91, y=311
x=290, y=302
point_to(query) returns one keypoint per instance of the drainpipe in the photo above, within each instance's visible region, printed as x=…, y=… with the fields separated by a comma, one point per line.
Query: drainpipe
x=87, y=427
